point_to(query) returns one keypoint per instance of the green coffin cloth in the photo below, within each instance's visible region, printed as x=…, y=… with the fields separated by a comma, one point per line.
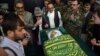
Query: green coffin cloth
x=63, y=45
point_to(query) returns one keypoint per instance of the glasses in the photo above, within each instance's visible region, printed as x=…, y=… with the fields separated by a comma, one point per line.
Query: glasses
x=38, y=16
x=19, y=7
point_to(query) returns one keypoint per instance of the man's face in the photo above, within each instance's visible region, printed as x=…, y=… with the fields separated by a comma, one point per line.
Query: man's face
x=19, y=33
x=74, y=5
x=69, y=2
x=19, y=8
x=95, y=19
x=46, y=3
x=57, y=1
x=87, y=7
x=50, y=7
x=38, y=16
x=1, y=19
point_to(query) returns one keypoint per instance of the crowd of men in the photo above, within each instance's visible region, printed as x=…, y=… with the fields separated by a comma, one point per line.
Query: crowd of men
x=20, y=30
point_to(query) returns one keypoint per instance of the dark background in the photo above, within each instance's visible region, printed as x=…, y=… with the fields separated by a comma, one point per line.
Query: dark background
x=30, y=4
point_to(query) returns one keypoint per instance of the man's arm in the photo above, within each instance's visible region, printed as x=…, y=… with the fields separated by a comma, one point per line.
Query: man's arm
x=2, y=52
x=94, y=42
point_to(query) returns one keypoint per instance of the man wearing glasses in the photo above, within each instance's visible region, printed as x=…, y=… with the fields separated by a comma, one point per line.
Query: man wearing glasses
x=25, y=16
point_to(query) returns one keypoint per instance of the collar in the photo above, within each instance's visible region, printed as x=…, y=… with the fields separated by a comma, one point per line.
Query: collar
x=23, y=13
x=52, y=11
x=85, y=14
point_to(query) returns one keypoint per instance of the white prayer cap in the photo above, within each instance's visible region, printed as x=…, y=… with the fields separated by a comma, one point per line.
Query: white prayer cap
x=37, y=10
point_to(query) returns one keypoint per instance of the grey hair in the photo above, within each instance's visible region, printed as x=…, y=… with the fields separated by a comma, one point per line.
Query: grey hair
x=37, y=10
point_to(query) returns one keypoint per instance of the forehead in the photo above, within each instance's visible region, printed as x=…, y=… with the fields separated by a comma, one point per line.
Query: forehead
x=46, y=1
x=19, y=5
x=50, y=5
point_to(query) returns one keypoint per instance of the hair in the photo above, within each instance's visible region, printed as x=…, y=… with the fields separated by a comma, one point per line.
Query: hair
x=96, y=8
x=2, y=13
x=97, y=11
x=2, y=52
x=48, y=0
x=85, y=3
x=18, y=1
x=76, y=0
x=11, y=22
x=51, y=4
x=55, y=1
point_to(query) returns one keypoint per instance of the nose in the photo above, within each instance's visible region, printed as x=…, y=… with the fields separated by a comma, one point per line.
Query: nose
x=25, y=32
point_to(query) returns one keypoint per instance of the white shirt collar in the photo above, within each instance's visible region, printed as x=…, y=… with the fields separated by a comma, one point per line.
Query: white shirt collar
x=51, y=19
x=51, y=12
x=85, y=14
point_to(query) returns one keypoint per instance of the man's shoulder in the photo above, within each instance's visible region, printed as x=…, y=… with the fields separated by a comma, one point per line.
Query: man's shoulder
x=8, y=42
x=27, y=12
x=4, y=42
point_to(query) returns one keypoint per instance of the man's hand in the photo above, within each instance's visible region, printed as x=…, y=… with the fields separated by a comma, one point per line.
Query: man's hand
x=97, y=19
x=46, y=26
x=38, y=22
x=94, y=42
x=24, y=42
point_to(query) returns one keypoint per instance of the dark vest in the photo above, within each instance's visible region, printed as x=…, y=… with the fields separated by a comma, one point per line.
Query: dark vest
x=56, y=19
x=96, y=31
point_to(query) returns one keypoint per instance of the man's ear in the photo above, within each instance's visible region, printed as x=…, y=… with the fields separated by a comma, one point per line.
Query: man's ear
x=10, y=33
